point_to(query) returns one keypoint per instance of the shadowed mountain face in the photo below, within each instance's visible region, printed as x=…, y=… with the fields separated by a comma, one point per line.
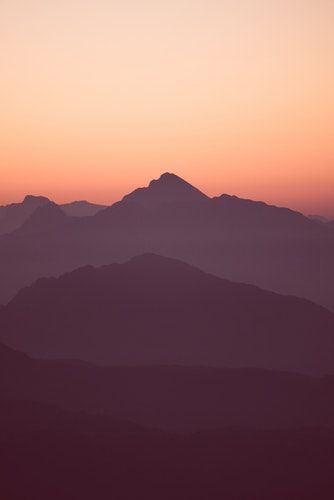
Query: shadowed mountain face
x=12, y=216
x=49, y=216
x=157, y=310
x=242, y=240
x=173, y=398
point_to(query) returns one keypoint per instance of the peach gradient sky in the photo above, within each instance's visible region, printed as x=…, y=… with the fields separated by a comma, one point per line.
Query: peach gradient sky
x=100, y=96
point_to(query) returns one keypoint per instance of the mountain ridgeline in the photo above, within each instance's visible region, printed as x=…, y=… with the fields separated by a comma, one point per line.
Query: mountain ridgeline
x=156, y=310
x=166, y=347
x=241, y=240
x=14, y=215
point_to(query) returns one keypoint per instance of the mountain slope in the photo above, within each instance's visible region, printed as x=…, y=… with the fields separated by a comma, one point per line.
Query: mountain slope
x=158, y=310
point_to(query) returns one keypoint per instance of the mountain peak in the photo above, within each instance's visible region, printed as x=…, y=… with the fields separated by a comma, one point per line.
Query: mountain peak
x=31, y=199
x=167, y=188
x=169, y=179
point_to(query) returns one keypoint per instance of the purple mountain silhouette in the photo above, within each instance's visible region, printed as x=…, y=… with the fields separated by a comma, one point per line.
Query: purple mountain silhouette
x=171, y=397
x=12, y=216
x=169, y=188
x=44, y=218
x=242, y=240
x=81, y=208
x=157, y=310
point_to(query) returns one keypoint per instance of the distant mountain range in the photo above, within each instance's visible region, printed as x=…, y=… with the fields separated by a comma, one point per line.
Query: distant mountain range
x=14, y=215
x=156, y=310
x=242, y=240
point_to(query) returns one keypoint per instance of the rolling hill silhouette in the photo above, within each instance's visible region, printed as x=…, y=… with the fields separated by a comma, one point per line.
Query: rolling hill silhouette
x=49, y=451
x=242, y=240
x=173, y=398
x=157, y=310
x=81, y=208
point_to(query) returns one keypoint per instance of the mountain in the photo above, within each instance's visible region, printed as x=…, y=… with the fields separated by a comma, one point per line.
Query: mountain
x=241, y=240
x=12, y=216
x=81, y=208
x=172, y=398
x=169, y=188
x=156, y=310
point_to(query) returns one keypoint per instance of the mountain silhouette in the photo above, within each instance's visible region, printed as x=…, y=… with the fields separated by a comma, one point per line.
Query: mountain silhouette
x=157, y=310
x=241, y=240
x=49, y=451
x=12, y=216
x=169, y=188
x=81, y=208
x=172, y=398
x=43, y=218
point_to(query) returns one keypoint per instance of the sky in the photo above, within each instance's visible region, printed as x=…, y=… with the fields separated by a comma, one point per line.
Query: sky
x=100, y=96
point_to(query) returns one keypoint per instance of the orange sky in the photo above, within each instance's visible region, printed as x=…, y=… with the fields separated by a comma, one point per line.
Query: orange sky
x=99, y=96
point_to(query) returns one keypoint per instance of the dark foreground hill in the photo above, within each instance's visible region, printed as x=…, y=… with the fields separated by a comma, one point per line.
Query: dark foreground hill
x=242, y=240
x=49, y=454
x=66, y=433
x=155, y=310
x=171, y=397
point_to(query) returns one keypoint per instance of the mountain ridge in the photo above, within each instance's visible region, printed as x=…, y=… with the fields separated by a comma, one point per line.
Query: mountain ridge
x=245, y=241
x=156, y=310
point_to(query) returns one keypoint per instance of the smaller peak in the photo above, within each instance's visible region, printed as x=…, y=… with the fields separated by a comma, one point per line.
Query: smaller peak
x=30, y=198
